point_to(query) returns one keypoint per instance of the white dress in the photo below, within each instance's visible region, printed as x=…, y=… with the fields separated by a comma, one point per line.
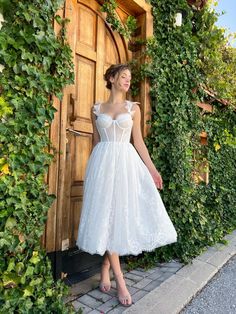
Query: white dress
x=122, y=211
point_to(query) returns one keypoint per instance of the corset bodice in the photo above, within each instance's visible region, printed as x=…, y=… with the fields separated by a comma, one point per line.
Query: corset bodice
x=114, y=130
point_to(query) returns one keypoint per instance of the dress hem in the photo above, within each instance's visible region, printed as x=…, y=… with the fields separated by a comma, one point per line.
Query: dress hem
x=122, y=253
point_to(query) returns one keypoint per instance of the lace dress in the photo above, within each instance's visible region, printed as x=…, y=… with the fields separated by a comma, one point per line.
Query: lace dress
x=122, y=211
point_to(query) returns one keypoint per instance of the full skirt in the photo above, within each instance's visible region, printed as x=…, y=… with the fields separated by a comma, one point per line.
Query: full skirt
x=122, y=210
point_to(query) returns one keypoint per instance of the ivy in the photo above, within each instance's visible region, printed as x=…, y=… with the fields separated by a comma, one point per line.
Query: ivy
x=37, y=64
x=126, y=29
x=182, y=59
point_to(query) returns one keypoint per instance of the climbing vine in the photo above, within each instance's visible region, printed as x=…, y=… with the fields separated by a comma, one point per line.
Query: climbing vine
x=125, y=29
x=175, y=124
x=36, y=65
x=181, y=61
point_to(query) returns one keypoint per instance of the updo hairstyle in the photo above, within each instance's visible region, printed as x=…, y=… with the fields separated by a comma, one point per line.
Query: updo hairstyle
x=113, y=70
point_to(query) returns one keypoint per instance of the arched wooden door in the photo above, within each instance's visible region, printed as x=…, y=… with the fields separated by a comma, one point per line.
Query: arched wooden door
x=95, y=48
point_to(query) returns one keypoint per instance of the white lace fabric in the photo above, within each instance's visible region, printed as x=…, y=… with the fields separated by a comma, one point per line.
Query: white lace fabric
x=122, y=211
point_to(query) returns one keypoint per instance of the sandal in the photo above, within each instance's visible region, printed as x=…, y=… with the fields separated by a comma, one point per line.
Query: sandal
x=124, y=300
x=105, y=286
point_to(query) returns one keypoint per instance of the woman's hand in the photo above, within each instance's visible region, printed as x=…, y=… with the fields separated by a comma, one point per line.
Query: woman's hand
x=157, y=178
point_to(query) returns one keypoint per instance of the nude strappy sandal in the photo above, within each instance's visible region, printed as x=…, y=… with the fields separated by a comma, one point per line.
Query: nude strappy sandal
x=123, y=299
x=104, y=286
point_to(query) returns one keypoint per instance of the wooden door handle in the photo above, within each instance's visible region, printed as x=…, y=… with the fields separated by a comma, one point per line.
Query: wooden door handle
x=78, y=133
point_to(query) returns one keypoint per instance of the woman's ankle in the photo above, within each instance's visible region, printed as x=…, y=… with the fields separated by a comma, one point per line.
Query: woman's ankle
x=119, y=275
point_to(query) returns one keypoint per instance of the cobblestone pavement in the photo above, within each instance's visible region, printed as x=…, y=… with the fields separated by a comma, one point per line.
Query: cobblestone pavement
x=219, y=296
x=139, y=282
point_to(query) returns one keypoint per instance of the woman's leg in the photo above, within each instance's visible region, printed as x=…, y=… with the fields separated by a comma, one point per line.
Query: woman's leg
x=105, y=283
x=123, y=293
x=106, y=259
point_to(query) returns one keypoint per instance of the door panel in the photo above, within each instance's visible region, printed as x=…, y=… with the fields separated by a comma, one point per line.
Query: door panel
x=85, y=87
x=87, y=27
x=112, y=55
x=82, y=150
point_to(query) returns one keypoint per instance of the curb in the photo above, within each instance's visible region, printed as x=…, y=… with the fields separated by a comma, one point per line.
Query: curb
x=178, y=290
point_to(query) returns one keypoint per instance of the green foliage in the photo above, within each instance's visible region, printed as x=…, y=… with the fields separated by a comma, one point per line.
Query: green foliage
x=217, y=59
x=175, y=125
x=37, y=64
x=125, y=29
x=221, y=192
x=139, y=72
x=182, y=61
x=5, y=109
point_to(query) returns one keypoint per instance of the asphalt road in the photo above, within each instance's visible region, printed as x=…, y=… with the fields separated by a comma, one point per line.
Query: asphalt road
x=219, y=296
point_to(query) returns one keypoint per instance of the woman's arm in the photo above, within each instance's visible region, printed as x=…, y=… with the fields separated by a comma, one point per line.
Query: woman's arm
x=141, y=147
x=96, y=136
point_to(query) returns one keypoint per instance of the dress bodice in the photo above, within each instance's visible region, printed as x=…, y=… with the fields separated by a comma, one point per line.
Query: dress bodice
x=114, y=130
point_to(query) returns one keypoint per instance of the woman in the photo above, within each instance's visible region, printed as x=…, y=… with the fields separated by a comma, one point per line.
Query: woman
x=122, y=211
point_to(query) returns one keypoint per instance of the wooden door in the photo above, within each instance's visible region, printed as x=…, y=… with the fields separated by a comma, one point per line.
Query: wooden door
x=95, y=49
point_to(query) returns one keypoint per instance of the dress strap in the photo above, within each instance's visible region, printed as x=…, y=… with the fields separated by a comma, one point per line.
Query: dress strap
x=130, y=106
x=96, y=108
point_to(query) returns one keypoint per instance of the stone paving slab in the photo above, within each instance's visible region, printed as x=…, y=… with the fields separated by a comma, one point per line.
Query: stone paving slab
x=109, y=305
x=142, y=283
x=99, y=295
x=139, y=273
x=77, y=306
x=164, y=289
x=90, y=301
x=155, y=275
x=152, y=285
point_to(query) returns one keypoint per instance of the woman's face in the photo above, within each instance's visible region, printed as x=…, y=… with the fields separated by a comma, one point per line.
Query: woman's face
x=122, y=80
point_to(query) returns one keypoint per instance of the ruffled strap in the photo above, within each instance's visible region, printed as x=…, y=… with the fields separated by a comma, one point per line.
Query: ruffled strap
x=130, y=106
x=96, y=109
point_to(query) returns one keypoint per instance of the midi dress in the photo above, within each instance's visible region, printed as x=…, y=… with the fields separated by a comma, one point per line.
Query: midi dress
x=122, y=211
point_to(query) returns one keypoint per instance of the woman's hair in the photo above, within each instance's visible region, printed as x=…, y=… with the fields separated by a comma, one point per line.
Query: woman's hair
x=113, y=70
